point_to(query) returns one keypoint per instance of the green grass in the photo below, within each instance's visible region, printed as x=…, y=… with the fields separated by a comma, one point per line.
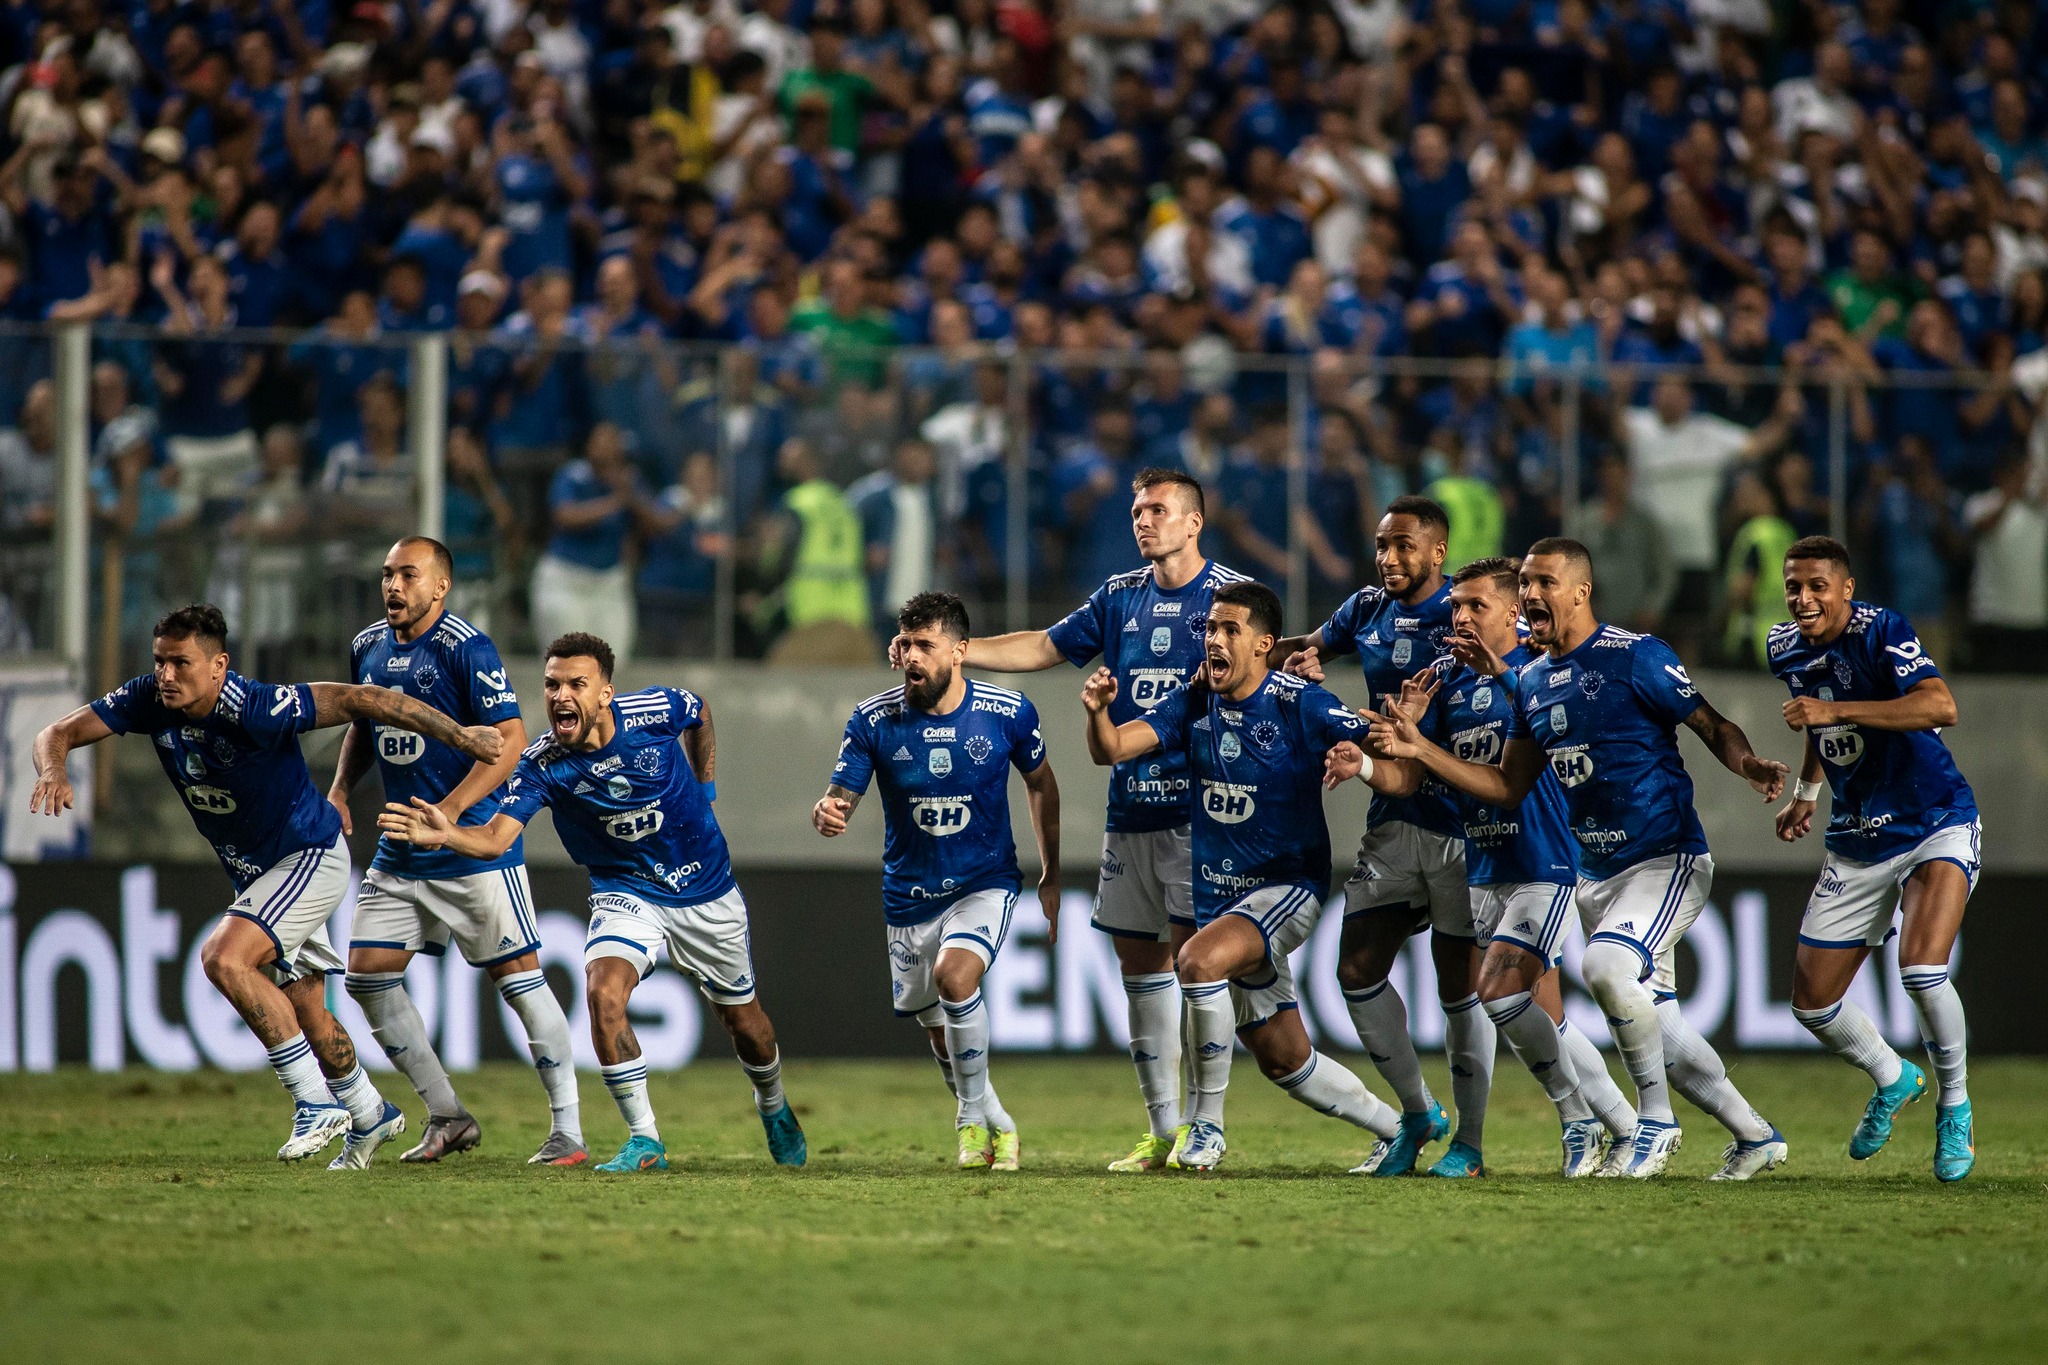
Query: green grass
x=141, y=1218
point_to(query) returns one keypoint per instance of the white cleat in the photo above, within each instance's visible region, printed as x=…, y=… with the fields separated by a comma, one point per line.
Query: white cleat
x=1650, y=1152
x=1616, y=1158
x=1744, y=1159
x=1372, y=1161
x=1584, y=1148
x=358, y=1147
x=313, y=1127
x=1201, y=1150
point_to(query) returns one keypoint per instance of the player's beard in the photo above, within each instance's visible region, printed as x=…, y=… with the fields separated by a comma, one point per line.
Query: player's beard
x=925, y=695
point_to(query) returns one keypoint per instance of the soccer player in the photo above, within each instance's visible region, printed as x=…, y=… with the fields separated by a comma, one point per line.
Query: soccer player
x=230, y=747
x=1872, y=704
x=1603, y=705
x=1410, y=873
x=414, y=900
x=1522, y=863
x=941, y=747
x=1260, y=746
x=631, y=780
x=1146, y=626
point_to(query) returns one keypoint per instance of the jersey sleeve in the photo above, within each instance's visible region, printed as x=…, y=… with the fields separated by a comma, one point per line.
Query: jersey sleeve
x=1027, y=740
x=1896, y=651
x=686, y=708
x=1169, y=720
x=526, y=791
x=1340, y=632
x=1662, y=685
x=488, y=688
x=1080, y=636
x=1518, y=715
x=856, y=763
x=1326, y=720
x=122, y=710
x=275, y=714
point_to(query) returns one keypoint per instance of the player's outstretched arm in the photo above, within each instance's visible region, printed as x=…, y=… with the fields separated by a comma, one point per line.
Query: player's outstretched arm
x=1021, y=651
x=53, y=745
x=700, y=746
x=1042, y=798
x=484, y=778
x=1927, y=705
x=1504, y=784
x=358, y=752
x=340, y=703
x=1396, y=777
x=1301, y=655
x=833, y=810
x=1110, y=744
x=1795, y=817
x=425, y=825
x=1727, y=742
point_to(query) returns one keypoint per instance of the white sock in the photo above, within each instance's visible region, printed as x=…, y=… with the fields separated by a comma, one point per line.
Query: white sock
x=299, y=1071
x=1329, y=1087
x=1845, y=1030
x=1212, y=1027
x=396, y=1025
x=1534, y=1040
x=356, y=1090
x=1469, y=1040
x=1610, y=970
x=628, y=1083
x=1698, y=1074
x=1153, y=1001
x=1597, y=1089
x=767, y=1079
x=945, y=1069
x=547, y=1039
x=967, y=1044
x=1942, y=1029
x=1381, y=1017
x=997, y=1117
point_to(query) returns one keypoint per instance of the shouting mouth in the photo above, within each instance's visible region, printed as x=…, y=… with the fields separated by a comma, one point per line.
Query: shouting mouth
x=564, y=720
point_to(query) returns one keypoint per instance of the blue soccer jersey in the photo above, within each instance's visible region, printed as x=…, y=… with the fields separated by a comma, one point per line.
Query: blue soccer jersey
x=1607, y=714
x=945, y=792
x=1891, y=788
x=1258, y=772
x=633, y=812
x=238, y=768
x=455, y=669
x=1151, y=638
x=1394, y=641
x=1472, y=716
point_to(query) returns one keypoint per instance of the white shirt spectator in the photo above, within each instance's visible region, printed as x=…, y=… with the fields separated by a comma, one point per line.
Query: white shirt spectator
x=1336, y=193
x=1166, y=258
x=1678, y=473
x=2009, y=587
x=1799, y=104
x=781, y=47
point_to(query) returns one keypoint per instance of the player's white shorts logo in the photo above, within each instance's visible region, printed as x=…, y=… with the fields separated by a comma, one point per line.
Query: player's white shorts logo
x=1228, y=803
x=209, y=800
x=1572, y=766
x=940, y=816
x=1841, y=745
x=1150, y=686
x=634, y=825
x=399, y=746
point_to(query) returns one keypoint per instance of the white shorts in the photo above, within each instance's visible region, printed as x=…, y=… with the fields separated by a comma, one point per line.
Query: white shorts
x=1400, y=864
x=977, y=923
x=1852, y=903
x=292, y=903
x=1649, y=907
x=1530, y=915
x=708, y=942
x=1285, y=915
x=488, y=915
x=1147, y=884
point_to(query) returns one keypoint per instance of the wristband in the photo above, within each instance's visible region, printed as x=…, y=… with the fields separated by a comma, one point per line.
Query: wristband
x=1807, y=791
x=1365, y=773
x=710, y=791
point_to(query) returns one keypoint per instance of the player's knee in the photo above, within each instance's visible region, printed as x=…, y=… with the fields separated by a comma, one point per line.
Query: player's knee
x=1610, y=968
x=957, y=979
x=1197, y=963
x=1360, y=971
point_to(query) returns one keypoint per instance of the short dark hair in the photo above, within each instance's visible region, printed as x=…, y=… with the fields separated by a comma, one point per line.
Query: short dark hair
x=941, y=609
x=581, y=644
x=1820, y=547
x=1569, y=548
x=1428, y=511
x=1152, y=476
x=202, y=621
x=1504, y=572
x=1261, y=604
x=443, y=560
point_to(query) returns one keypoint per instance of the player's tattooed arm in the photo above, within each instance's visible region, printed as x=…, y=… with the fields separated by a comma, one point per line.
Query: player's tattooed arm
x=1042, y=796
x=484, y=778
x=1795, y=817
x=53, y=745
x=358, y=752
x=1110, y=744
x=833, y=810
x=425, y=825
x=1724, y=738
x=340, y=703
x=700, y=746
x=1926, y=705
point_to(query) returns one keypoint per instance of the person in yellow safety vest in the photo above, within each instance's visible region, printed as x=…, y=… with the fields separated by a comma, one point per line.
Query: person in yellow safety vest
x=1478, y=519
x=827, y=570
x=1753, y=577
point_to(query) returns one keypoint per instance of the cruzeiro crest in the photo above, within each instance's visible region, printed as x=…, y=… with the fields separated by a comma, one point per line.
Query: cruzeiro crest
x=648, y=761
x=425, y=676
x=1265, y=734
x=979, y=748
x=939, y=761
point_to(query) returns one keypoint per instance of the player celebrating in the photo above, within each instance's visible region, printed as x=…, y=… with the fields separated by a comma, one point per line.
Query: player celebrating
x=1411, y=863
x=415, y=900
x=1603, y=704
x=941, y=746
x=1146, y=625
x=230, y=747
x=631, y=780
x=1259, y=747
x=1872, y=703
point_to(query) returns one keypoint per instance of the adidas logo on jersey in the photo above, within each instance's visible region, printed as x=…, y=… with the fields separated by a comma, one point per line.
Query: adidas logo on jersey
x=1131, y=626
x=902, y=755
x=582, y=787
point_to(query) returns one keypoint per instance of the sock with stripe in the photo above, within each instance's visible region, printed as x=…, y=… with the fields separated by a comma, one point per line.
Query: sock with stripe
x=967, y=1043
x=396, y=1025
x=1601, y=1097
x=365, y=1104
x=1611, y=975
x=1469, y=1040
x=1329, y=1087
x=1698, y=1073
x=628, y=1083
x=1845, y=1030
x=1533, y=1039
x=298, y=1070
x=1942, y=1029
x=1381, y=1017
x=547, y=1039
x=1153, y=1000
x=1212, y=1029
x=767, y=1079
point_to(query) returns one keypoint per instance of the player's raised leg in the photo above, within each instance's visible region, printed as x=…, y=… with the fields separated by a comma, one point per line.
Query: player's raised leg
x=609, y=983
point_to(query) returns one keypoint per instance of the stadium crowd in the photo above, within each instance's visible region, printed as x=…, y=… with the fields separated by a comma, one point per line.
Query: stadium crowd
x=1350, y=244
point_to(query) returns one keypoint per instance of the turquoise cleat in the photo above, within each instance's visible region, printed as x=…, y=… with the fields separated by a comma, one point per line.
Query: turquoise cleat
x=785, y=1137
x=1874, y=1130
x=1955, y=1142
x=1417, y=1132
x=639, y=1154
x=1460, y=1162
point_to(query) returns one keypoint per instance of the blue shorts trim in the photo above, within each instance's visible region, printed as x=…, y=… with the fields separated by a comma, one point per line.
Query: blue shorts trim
x=1649, y=959
x=1807, y=942
x=634, y=944
x=355, y=943
x=434, y=949
x=276, y=948
x=1278, y=1010
x=1138, y=934
x=507, y=957
x=968, y=938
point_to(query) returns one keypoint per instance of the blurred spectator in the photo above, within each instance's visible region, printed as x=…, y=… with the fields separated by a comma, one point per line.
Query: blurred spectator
x=582, y=580
x=852, y=335
x=135, y=505
x=1092, y=482
x=536, y=422
x=480, y=529
x=1754, y=579
x=1478, y=518
x=678, y=582
x=371, y=481
x=28, y=513
x=2009, y=574
x=204, y=376
x=1634, y=575
x=812, y=565
x=257, y=575
x=899, y=514
x=1914, y=522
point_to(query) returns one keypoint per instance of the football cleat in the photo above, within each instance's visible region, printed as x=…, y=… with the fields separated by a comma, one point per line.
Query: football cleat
x=362, y=1144
x=1583, y=1148
x=977, y=1148
x=444, y=1136
x=1202, y=1149
x=1650, y=1151
x=1151, y=1154
x=1397, y=1155
x=785, y=1137
x=1874, y=1129
x=1006, y=1151
x=559, y=1150
x=639, y=1154
x=1612, y=1165
x=1742, y=1160
x=1459, y=1162
x=1955, y=1142
x=313, y=1127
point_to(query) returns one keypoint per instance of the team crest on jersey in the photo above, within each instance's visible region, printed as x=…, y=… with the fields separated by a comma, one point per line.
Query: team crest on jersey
x=1590, y=682
x=1440, y=638
x=1843, y=675
x=1229, y=746
x=618, y=787
x=1404, y=650
x=195, y=767
x=1557, y=719
x=223, y=751
x=1265, y=734
x=939, y=762
x=648, y=761
x=979, y=748
x=426, y=675
x=1162, y=639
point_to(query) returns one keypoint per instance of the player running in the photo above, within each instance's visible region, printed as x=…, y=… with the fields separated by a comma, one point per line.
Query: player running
x=1410, y=873
x=230, y=747
x=1146, y=626
x=1522, y=862
x=631, y=780
x=1603, y=705
x=1872, y=704
x=941, y=747
x=415, y=900
x=1260, y=746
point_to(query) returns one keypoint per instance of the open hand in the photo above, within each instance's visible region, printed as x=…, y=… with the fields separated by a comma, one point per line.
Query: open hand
x=1343, y=762
x=1766, y=775
x=421, y=823
x=52, y=795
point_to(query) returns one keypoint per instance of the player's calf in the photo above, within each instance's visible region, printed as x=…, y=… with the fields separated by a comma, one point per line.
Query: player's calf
x=753, y=1039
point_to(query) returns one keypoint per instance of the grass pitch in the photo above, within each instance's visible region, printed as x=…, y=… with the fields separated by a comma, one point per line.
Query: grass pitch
x=142, y=1218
